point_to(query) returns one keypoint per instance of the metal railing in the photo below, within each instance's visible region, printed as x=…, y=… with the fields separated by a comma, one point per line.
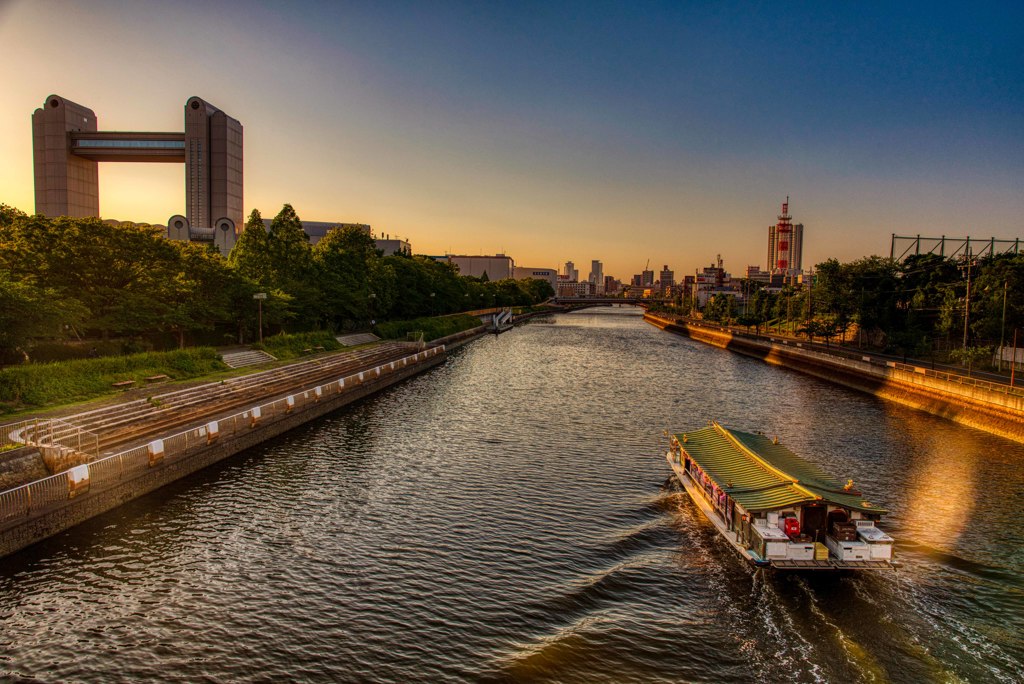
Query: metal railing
x=54, y=491
x=837, y=355
x=50, y=432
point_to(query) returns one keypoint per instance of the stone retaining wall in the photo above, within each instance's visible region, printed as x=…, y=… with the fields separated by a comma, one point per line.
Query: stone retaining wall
x=460, y=338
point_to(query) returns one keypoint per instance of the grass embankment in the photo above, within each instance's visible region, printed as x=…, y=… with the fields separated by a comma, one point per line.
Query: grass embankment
x=432, y=328
x=62, y=382
x=285, y=347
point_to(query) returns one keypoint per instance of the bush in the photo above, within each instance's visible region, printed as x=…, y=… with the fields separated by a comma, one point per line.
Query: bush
x=285, y=346
x=48, y=352
x=65, y=381
x=432, y=328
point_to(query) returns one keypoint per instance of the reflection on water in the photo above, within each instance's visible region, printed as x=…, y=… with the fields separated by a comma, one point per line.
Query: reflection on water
x=943, y=490
x=505, y=517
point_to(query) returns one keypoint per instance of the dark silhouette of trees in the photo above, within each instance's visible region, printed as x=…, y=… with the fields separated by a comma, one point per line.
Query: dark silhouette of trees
x=81, y=276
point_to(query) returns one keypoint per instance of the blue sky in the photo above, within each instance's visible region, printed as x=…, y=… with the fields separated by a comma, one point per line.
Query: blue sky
x=554, y=131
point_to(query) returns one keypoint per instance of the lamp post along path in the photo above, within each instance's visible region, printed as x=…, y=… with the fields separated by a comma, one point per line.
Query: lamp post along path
x=1002, y=329
x=259, y=297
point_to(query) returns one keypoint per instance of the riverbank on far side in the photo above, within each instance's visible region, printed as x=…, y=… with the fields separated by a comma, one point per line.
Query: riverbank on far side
x=973, y=404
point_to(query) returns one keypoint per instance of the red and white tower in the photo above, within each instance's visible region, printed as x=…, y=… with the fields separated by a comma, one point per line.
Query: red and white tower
x=785, y=244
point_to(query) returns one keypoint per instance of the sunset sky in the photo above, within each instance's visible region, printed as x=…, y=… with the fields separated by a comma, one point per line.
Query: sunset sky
x=553, y=131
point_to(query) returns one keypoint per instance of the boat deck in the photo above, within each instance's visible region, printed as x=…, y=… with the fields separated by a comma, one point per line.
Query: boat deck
x=831, y=564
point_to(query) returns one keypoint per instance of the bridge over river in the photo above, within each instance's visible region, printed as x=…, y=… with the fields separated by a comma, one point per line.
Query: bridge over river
x=434, y=533
x=599, y=301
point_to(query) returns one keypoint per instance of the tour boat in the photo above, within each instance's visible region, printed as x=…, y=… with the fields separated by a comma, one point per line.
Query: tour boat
x=775, y=508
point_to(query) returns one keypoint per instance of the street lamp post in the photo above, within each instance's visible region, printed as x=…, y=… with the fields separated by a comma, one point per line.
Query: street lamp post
x=259, y=297
x=369, y=306
x=1002, y=329
x=1013, y=361
x=967, y=302
x=967, y=312
x=789, y=309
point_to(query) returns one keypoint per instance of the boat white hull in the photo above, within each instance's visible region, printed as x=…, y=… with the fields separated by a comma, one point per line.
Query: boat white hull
x=788, y=563
x=691, y=488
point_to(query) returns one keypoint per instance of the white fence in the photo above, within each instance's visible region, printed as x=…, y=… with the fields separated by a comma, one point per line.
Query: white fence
x=51, y=432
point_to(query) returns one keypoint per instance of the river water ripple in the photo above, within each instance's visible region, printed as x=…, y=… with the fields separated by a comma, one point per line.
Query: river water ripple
x=505, y=517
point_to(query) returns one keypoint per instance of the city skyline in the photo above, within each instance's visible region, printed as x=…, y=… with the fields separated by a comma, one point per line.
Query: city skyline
x=570, y=131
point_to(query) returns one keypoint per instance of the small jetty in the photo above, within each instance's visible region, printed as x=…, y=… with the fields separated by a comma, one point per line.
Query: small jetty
x=775, y=508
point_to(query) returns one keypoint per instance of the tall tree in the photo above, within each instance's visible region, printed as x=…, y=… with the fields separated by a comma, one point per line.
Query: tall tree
x=292, y=268
x=203, y=288
x=347, y=260
x=251, y=254
x=289, y=252
x=28, y=313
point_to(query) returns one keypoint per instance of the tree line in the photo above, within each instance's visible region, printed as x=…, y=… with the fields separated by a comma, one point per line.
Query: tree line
x=918, y=307
x=82, y=278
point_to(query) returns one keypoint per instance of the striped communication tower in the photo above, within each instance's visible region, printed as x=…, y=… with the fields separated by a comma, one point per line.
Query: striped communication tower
x=785, y=244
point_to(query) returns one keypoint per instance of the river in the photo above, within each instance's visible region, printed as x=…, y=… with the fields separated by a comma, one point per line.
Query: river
x=506, y=517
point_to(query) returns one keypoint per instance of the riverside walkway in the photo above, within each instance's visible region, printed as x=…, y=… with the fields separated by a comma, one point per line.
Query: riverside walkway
x=111, y=428
x=1003, y=384
x=995, y=408
x=144, y=444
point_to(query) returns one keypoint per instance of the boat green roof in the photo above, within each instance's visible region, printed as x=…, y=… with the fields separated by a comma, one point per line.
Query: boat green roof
x=760, y=474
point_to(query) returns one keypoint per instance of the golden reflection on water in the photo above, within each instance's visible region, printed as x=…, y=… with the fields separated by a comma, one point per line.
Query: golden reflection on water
x=942, y=487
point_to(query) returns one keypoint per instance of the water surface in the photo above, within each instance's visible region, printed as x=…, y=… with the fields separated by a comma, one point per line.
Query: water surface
x=505, y=517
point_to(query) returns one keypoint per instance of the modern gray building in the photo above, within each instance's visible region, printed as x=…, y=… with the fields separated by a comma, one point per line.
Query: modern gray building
x=68, y=146
x=317, y=230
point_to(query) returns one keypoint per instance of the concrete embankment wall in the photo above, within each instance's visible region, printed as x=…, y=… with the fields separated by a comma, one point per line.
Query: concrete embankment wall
x=458, y=339
x=34, y=512
x=1000, y=413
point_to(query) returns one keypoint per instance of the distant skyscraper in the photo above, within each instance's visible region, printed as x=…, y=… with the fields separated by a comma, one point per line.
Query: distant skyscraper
x=785, y=244
x=597, y=276
x=668, y=278
x=572, y=274
x=647, y=279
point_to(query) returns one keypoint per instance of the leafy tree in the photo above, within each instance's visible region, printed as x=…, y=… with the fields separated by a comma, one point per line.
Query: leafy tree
x=997, y=281
x=123, y=274
x=812, y=328
x=720, y=308
x=749, y=320
x=288, y=249
x=250, y=256
x=347, y=264
x=291, y=266
x=202, y=287
x=28, y=313
x=9, y=214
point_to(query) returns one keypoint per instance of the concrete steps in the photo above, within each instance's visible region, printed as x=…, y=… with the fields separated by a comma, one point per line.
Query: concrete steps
x=249, y=357
x=356, y=338
x=119, y=424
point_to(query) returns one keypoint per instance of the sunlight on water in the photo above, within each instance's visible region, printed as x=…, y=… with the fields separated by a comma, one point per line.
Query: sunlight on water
x=943, y=492
x=506, y=517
